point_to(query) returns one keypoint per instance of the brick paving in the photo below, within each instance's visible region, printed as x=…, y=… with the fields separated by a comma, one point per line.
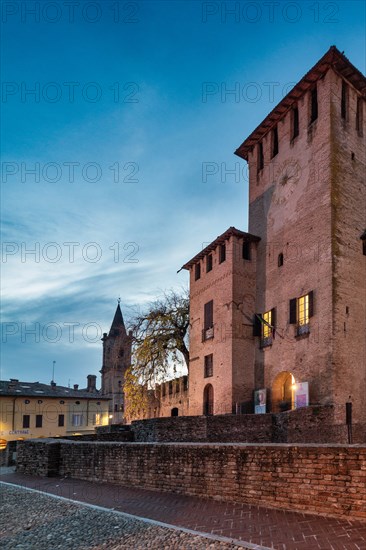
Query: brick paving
x=270, y=528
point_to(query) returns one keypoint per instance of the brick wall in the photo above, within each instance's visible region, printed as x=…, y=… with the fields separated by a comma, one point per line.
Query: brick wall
x=326, y=479
x=305, y=425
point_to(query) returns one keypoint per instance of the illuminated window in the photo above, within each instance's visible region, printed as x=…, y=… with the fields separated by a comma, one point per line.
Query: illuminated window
x=267, y=327
x=97, y=419
x=301, y=309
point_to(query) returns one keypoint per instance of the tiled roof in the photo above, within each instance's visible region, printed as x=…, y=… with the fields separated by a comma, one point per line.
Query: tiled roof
x=34, y=389
x=219, y=240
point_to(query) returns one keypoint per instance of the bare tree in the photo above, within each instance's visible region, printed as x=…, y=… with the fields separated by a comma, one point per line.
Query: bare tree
x=160, y=345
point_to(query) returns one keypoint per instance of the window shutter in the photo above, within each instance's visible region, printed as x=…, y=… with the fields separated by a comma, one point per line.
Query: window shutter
x=293, y=314
x=311, y=303
x=273, y=316
x=257, y=325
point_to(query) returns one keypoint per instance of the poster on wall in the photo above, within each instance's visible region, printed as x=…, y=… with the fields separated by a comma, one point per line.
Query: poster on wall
x=260, y=399
x=301, y=395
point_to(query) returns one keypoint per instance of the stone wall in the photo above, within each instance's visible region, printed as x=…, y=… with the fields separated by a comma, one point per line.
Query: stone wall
x=305, y=425
x=39, y=457
x=325, y=479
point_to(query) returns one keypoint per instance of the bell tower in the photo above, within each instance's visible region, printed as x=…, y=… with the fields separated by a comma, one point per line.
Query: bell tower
x=116, y=359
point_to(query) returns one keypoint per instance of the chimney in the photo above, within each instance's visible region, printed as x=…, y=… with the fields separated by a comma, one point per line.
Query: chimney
x=92, y=383
x=76, y=386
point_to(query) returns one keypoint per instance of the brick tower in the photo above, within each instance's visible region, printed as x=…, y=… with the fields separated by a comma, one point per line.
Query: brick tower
x=116, y=359
x=307, y=204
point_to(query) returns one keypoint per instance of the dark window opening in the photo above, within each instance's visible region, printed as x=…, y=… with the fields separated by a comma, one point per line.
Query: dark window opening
x=208, y=263
x=260, y=156
x=164, y=390
x=274, y=142
x=185, y=383
x=170, y=388
x=174, y=411
x=344, y=100
x=197, y=271
x=246, y=251
x=208, y=400
x=61, y=420
x=359, y=116
x=313, y=104
x=39, y=418
x=222, y=253
x=208, y=315
x=177, y=386
x=116, y=408
x=295, y=122
x=364, y=247
x=280, y=260
x=26, y=420
x=208, y=365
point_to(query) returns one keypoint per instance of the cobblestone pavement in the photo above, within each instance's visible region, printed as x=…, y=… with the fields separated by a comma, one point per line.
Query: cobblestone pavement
x=252, y=525
x=32, y=520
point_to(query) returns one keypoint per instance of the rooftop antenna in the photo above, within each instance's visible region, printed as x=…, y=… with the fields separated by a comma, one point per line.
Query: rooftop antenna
x=53, y=370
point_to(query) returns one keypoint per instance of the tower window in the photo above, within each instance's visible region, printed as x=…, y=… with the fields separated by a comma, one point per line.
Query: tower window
x=301, y=309
x=208, y=365
x=274, y=141
x=260, y=156
x=295, y=122
x=344, y=99
x=359, y=116
x=267, y=328
x=222, y=253
x=197, y=271
x=208, y=263
x=313, y=104
x=246, y=251
x=280, y=260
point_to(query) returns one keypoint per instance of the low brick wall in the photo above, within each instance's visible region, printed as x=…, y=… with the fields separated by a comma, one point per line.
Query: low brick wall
x=39, y=457
x=306, y=425
x=326, y=479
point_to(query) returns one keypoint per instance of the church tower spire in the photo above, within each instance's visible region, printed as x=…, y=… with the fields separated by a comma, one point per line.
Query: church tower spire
x=116, y=359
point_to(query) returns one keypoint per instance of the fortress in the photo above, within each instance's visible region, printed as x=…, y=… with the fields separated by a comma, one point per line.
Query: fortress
x=278, y=313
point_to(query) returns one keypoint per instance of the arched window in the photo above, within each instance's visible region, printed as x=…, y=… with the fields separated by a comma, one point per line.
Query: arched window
x=208, y=398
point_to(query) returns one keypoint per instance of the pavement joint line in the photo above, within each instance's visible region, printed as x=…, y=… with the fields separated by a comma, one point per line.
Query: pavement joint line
x=156, y=523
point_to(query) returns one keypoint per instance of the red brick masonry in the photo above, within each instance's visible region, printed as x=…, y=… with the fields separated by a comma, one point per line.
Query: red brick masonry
x=326, y=479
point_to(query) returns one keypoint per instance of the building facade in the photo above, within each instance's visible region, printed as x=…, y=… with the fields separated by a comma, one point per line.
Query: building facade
x=31, y=409
x=284, y=306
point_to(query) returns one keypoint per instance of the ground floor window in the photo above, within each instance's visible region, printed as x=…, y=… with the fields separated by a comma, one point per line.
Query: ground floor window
x=26, y=420
x=39, y=420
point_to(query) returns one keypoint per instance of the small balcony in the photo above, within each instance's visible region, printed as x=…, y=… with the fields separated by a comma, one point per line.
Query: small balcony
x=207, y=334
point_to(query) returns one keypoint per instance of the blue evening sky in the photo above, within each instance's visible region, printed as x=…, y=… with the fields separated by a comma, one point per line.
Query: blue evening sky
x=118, y=167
